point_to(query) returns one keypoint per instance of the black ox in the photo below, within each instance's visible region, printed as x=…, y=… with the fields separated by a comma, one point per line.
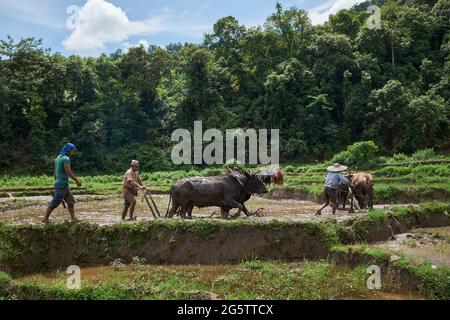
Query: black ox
x=227, y=192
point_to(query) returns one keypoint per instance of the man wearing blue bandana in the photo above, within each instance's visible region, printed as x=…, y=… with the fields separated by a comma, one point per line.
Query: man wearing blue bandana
x=62, y=190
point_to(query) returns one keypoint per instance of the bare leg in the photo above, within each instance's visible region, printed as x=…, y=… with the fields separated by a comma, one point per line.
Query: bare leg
x=327, y=202
x=47, y=215
x=319, y=212
x=132, y=205
x=334, y=207
x=125, y=211
x=72, y=214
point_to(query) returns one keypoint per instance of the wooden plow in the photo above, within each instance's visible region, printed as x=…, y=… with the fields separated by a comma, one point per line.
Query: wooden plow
x=151, y=203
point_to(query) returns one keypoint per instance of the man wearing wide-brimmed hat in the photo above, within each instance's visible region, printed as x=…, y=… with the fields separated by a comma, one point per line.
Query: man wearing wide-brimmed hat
x=333, y=182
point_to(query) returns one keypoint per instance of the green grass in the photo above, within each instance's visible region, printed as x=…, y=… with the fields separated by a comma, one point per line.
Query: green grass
x=404, y=183
x=363, y=249
x=249, y=280
x=435, y=281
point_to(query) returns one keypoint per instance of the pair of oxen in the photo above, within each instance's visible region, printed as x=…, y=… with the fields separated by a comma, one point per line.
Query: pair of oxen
x=227, y=192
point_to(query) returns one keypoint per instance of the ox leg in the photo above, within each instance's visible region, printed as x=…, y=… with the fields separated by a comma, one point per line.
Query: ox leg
x=189, y=212
x=361, y=202
x=244, y=208
x=344, y=199
x=235, y=204
x=225, y=212
x=238, y=213
x=173, y=210
x=185, y=209
x=351, y=204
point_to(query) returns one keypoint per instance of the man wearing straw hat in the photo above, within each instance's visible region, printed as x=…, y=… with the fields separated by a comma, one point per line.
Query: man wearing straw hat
x=131, y=182
x=333, y=181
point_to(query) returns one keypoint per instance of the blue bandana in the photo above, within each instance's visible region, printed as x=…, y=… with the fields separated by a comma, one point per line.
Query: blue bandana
x=66, y=148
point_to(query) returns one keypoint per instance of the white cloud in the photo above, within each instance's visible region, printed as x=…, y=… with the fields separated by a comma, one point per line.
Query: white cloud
x=321, y=13
x=142, y=42
x=101, y=23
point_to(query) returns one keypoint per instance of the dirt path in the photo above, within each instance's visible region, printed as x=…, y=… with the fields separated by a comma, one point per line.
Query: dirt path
x=107, y=210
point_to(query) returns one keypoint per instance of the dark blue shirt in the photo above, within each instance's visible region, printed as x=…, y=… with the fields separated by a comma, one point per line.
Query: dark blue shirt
x=334, y=179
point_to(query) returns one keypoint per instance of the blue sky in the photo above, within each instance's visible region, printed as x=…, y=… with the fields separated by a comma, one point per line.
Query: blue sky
x=97, y=26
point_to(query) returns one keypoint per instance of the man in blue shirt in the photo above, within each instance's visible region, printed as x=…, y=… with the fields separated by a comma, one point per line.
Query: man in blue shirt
x=334, y=181
x=62, y=174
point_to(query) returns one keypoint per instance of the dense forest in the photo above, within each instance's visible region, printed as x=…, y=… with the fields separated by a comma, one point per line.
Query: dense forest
x=324, y=87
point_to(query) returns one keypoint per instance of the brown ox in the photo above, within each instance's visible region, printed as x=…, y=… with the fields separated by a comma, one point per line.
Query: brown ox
x=275, y=177
x=362, y=185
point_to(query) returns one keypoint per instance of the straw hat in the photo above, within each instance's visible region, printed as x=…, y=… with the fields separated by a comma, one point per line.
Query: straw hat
x=336, y=168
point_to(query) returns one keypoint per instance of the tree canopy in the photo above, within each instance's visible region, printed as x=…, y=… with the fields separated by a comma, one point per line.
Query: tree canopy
x=324, y=87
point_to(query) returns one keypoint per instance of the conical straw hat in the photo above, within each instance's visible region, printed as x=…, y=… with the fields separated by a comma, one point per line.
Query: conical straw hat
x=336, y=168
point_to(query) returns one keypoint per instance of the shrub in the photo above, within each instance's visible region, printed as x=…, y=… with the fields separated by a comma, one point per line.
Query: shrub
x=400, y=157
x=211, y=172
x=233, y=163
x=288, y=169
x=421, y=155
x=357, y=154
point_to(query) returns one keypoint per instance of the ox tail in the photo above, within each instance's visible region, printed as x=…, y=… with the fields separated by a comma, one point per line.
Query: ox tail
x=168, y=206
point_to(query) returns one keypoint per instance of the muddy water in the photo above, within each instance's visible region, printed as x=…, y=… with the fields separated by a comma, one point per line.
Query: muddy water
x=107, y=210
x=430, y=245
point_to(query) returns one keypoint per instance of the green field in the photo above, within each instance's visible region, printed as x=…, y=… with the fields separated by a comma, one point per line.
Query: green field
x=397, y=179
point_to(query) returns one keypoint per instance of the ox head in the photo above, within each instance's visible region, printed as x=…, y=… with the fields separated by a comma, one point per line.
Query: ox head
x=254, y=184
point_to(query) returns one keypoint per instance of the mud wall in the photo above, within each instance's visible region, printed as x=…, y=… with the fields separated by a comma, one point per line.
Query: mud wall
x=28, y=249
x=31, y=249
